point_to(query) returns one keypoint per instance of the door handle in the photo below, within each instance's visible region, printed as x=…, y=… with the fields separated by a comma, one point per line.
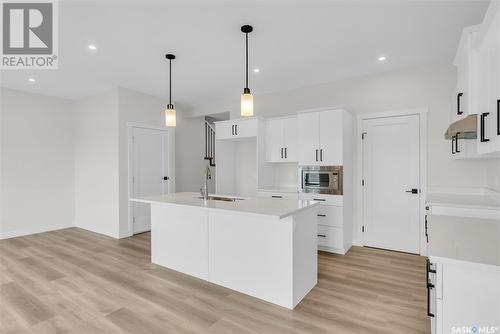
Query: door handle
x=236, y=129
x=166, y=178
x=316, y=155
x=459, y=112
x=285, y=153
x=321, y=155
x=282, y=153
x=232, y=129
x=456, y=143
x=413, y=191
x=483, y=137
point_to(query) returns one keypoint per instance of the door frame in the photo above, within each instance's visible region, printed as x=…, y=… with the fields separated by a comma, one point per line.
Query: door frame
x=422, y=113
x=130, y=162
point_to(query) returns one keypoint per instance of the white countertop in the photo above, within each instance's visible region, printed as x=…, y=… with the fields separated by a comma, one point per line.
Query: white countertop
x=253, y=205
x=464, y=238
x=463, y=200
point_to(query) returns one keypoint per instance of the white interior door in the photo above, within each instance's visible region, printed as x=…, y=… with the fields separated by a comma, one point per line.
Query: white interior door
x=151, y=168
x=391, y=169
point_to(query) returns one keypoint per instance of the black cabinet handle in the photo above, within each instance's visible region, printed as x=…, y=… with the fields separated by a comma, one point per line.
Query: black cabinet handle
x=166, y=178
x=236, y=129
x=498, y=117
x=319, y=199
x=413, y=191
x=429, y=287
x=321, y=215
x=453, y=145
x=321, y=155
x=426, y=234
x=483, y=137
x=282, y=153
x=316, y=155
x=459, y=112
x=322, y=235
x=456, y=143
x=232, y=129
x=276, y=196
x=285, y=153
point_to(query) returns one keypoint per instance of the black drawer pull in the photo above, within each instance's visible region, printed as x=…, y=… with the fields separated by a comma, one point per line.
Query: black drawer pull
x=459, y=112
x=321, y=215
x=456, y=143
x=276, y=196
x=319, y=199
x=483, y=137
x=322, y=235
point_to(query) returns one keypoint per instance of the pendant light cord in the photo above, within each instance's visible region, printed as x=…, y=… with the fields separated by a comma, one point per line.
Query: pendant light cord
x=170, y=82
x=246, y=76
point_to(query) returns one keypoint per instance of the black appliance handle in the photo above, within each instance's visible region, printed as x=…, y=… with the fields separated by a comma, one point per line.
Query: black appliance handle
x=482, y=120
x=459, y=112
x=456, y=143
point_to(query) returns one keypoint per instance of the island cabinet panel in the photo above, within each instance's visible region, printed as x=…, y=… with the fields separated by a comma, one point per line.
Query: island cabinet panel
x=179, y=239
x=252, y=255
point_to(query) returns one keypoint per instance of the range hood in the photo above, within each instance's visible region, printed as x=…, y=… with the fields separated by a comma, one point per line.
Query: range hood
x=466, y=128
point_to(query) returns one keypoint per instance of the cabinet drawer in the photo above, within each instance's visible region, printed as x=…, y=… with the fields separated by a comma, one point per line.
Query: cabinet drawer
x=330, y=215
x=330, y=236
x=277, y=195
x=325, y=199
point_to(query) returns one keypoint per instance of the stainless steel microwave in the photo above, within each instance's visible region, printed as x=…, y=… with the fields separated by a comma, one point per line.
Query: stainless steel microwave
x=321, y=179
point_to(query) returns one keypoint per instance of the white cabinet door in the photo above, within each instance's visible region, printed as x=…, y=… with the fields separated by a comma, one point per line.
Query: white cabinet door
x=330, y=139
x=290, y=139
x=308, y=125
x=245, y=128
x=274, y=140
x=488, y=91
x=223, y=130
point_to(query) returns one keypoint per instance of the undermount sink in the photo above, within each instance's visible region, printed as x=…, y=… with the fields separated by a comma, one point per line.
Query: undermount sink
x=219, y=198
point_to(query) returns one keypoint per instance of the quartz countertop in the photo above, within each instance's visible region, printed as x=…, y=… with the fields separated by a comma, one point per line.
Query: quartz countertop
x=464, y=200
x=464, y=238
x=248, y=205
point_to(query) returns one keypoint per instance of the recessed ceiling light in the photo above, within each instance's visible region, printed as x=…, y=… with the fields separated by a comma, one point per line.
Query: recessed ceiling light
x=31, y=80
x=382, y=58
x=92, y=47
x=256, y=70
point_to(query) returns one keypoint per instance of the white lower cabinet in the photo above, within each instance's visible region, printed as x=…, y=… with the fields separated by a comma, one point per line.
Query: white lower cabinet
x=277, y=195
x=463, y=297
x=333, y=230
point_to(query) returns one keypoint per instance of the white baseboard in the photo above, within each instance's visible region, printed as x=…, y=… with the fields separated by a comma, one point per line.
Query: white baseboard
x=33, y=230
x=124, y=234
x=340, y=251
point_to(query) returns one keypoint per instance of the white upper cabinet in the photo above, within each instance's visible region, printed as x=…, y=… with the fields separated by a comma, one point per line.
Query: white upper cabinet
x=321, y=138
x=330, y=138
x=238, y=128
x=308, y=138
x=281, y=139
x=463, y=96
x=488, y=82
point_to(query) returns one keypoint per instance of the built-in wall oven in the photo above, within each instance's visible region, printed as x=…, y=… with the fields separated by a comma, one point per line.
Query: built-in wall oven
x=321, y=179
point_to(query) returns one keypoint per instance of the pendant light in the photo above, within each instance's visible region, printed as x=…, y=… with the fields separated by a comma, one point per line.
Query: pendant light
x=246, y=97
x=170, y=111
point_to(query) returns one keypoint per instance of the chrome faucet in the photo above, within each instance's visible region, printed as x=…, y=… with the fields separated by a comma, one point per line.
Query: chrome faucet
x=208, y=176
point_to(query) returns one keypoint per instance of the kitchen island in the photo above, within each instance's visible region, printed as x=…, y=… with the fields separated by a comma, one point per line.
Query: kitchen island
x=262, y=247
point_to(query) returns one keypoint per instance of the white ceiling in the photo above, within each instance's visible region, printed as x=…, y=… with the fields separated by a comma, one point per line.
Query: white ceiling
x=294, y=44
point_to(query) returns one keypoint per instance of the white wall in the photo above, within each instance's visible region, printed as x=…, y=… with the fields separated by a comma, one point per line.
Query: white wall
x=141, y=108
x=425, y=86
x=96, y=163
x=37, y=172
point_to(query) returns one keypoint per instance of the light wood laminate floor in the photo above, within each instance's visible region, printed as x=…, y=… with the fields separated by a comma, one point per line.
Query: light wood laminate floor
x=75, y=281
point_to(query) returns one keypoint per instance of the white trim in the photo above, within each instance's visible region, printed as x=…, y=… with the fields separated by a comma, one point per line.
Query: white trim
x=422, y=113
x=171, y=157
x=34, y=230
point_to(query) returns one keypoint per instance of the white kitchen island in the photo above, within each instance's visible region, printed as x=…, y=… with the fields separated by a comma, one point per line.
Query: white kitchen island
x=262, y=247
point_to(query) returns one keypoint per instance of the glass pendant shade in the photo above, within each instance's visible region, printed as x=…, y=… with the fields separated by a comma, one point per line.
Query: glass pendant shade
x=246, y=104
x=170, y=116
